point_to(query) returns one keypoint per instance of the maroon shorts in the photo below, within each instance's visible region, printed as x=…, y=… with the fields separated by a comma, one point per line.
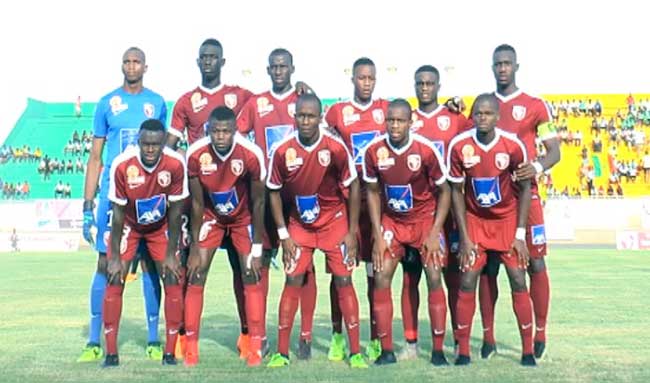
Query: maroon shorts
x=156, y=242
x=212, y=234
x=399, y=234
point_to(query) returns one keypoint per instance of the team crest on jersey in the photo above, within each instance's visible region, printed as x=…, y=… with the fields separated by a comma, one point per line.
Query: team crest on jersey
x=198, y=102
x=230, y=100
x=444, y=122
x=378, y=116
x=237, y=167
x=164, y=178
x=383, y=159
x=291, y=109
x=502, y=160
x=518, y=112
x=148, y=109
x=291, y=159
x=133, y=177
x=324, y=157
x=205, y=161
x=414, y=161
x=116, y=105
x=469, y=159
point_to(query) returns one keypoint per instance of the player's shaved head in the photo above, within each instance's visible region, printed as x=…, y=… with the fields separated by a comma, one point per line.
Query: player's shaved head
x=222, y=113
x=308, y=97
x=400, y=103
x=212, y=42
x=362, y=61
x=136, y=51
x=428, y=69
x=505, y=48
x=281, y=52
x=489, y=98
x=152, y=125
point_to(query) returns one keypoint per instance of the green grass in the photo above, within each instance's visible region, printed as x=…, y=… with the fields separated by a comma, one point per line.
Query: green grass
x=597, y=328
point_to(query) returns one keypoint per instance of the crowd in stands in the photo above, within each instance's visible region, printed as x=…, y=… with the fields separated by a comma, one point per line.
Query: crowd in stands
x=62, y=191
x=15, y=190
x=19, y=154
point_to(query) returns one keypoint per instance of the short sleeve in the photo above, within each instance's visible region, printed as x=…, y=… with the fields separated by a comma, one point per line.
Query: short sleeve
x=246, y=117
x=179, y=120
x=117, y=186
x=455, y=165
x=368, y=166
x=275, y=178
x=347, y=170
x=100, y=124
x=179, y=187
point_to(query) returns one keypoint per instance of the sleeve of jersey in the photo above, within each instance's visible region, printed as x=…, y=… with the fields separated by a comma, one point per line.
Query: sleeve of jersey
x=163, y=112
x=274, y=180
x=256, y=164
x=454, y=164
x=117, y=187
x=545, y=126
x=438, y=171
x=368, y=167
x=177, y=126
x=180, y=188
x=245, y=118
x=100, y=125
x=348, y=172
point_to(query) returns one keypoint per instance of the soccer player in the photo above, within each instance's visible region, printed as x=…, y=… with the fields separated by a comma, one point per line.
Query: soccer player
x=491, y=217
x=148, y=184
x=439, y=125
x=358, y=122
x=269, y=116
x=528, y=117
x=313, y=170
x=226, y=171
x=117, y=118
x=408, y=202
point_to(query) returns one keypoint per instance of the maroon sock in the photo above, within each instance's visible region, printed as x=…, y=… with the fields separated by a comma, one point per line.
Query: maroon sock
x=173, y=315
x=465, y=316
x=383, y=310
x=350, y=307
x=371, y=303
x=540, y=293
x=193, y=310
x=524, y=312
x=488, y=292
x=410, y=303
x=254, y=309
x=452, y=280
x=307, y=305
x=287, y=312
x=264, y=283
x=112, y=313
x=437, y=317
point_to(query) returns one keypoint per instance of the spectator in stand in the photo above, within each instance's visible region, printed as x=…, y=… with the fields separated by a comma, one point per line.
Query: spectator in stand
x=77, y=148
x=47, y=170
x=582, y=107
x=69, y=167
x=564, y=135
x=610, y=190
x=623, y=171
x=75, y=137
x=564, y=108
x=630, y=103
x=68, y=148
x=87, y=145
x=576, y=193
x=577, y=138
x=591, y=175
x=84, y=136
x=574, y=108
x=598, y=108
x=590, y=108
x=619, y=190
x=597, y=144
x=38, y=154
x=645, y=161
x=67, y=190
x=79, y=166
x=613, y=134
x=58, y=190
x=633, y=170
x=594, y=125
x=602, y=124
x=26, y=189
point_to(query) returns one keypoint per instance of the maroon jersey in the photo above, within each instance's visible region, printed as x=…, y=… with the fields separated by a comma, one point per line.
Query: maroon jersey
x=439, y=126
x=357, y=124
x=192, y=110
x=270, y=117
x=487, y=171
x=405, y=176
x=312, y=178
x=146, y=191
x=226, y=179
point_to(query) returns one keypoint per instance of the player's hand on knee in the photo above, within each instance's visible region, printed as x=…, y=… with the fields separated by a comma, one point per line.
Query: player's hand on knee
x=430, y=248
x=349, y=249
x=114, y=272
x=379, y=249
x=254, y=261
x=193, y=263
x=89, y=226
x=171, y=266
x=290, y=255
x=468, y=254
x=521, y=250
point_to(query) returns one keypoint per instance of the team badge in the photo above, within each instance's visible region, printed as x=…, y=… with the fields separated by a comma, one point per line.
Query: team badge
x=164, y=178
x=291, y=109
x=291, y=159
x=133, y=177
x=443, y=123
x=414, y=161
x=205, y=161
x=198, y=102
x=324, y=157
x=518, y=112
x=237, y=167
x=149, y=109
x=116, y=105
x=378, y=116
x=502, y=160
x=230, y=100
x=469, y=159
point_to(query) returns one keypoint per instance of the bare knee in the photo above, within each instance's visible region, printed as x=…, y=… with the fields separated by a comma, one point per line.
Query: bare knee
x=295, y=281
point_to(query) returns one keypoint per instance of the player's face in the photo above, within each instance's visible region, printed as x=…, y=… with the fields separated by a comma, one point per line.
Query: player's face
x=485, y=116
x=426, y=87
x=308, y=116
x=398, y=123
x=504, y=67
x=222, y=134
x=151, y=146
x=364, y=79
x=133, y=66
x=210, y=61
x=280, y=70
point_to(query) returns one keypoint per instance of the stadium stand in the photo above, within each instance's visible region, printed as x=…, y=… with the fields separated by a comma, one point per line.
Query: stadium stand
x=50, y=126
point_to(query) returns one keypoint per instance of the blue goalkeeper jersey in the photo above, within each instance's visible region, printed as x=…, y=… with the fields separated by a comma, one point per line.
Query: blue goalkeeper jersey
x=118, y=118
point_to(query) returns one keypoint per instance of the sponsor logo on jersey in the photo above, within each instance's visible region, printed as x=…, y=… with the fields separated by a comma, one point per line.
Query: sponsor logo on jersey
x=274, y=134
x=383, y=159
x=518, y=112
x=164, y=178
x=444, y=122
x=324, y=157
x=128, y=137
x=487, y=191
x=225, y=202
x=399, y=197
x=292, y=160
x=469, y=159
x=308, y=208
x=502, y=160
x=116, y=105
x=439, y=146
x=417, y=123
x=198, y=102
x=151, y=210
x=207, y=166
x=230, y=99
x=263, y=106
x=414, y=161
x=538, y=235
x=349, y=116
x=378, y=116
x=237, y=167
x=149, y=109
x=133, y=177
x=359, y=143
